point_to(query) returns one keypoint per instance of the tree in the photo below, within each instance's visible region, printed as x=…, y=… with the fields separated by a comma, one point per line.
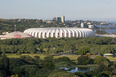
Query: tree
x=80, y=74
x=4, y=64
x=101, y=60
x=3, y=73
x=18, y=53
x=83, y=50
x=48, y=62
x=83, y=60
x=27, y=59
x=14, y=63
x=37, y=60
x=93, y=73
x=62, y=74
x=95, y=49
x=102, y=67
x=30, y=48
x=100, y=32
x=26, y=70
x=107, y=49
x=105, y=74
x=63, y=59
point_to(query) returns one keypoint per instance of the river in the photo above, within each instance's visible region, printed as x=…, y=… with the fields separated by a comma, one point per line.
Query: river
x=110, y=31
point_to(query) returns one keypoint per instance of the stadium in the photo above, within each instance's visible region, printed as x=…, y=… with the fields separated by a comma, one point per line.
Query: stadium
x=59, y=32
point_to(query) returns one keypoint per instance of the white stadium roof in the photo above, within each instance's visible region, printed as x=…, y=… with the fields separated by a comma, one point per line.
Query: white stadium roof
x=58, y=32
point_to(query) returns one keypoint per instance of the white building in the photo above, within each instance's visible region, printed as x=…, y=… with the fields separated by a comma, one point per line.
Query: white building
x=82, y=25
x=63, y=19
x=59, y=32
x=91, y=26
x=108, y=55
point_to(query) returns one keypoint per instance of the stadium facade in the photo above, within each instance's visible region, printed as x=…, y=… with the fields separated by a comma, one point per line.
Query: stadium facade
x=59, y=32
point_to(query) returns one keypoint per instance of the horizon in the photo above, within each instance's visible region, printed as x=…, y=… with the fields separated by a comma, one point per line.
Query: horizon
x=103, y=10
x=109, y=21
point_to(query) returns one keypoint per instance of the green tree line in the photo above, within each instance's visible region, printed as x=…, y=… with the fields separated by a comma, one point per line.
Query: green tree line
x=93, y=45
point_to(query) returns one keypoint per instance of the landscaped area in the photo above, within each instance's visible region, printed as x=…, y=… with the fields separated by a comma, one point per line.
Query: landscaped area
x=71, y=57
x=45, y=57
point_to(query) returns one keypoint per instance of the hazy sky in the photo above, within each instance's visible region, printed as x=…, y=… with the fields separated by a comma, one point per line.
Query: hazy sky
x=47, y=9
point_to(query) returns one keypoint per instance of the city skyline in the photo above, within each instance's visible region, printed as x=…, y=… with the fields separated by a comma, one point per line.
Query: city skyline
x=72, y=10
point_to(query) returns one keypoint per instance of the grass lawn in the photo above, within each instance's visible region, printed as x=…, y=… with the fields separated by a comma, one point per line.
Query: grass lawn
x=13, y=56
x=72, y=57
x=18, y=56
x=112, y=58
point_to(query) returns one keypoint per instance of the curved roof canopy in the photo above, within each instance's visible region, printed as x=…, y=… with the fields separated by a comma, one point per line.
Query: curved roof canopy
x=59, y=32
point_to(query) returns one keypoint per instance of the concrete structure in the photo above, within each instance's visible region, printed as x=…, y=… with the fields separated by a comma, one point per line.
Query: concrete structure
x=63, y=19
x=59, y=32
x=16, y=34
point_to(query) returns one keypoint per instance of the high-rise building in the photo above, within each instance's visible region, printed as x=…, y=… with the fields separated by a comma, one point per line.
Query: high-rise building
x=59, y=19
x=63, y=19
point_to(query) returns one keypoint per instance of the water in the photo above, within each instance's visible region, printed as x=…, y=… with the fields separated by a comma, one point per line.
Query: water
x=106, y=26
x=77, y=69
x=110, y=31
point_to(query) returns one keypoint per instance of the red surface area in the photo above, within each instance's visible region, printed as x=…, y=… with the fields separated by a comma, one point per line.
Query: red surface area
x=17, y=36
